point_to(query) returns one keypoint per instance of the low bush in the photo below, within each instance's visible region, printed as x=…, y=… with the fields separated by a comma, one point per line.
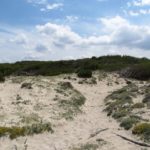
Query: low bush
x=30, y=119
x=118, y=103
x=93, y=81
x=72, y=106
x=119, y=114
x=2, y=78
x=140, y=71
x=147, y=98
x=65, y=85
x=138, y=105
x=87, y=146
x=84, y=73
x=142, y=129
x=15, y=132
x=26, y=86
x=128, y=123
x=139, y=66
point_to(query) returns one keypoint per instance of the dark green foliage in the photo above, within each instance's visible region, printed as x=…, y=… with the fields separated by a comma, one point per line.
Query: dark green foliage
x=147, y=98
x=128, y=123
x=50, y=68
x=26, y=86
x=140, y=71
x=2, y=78
x=87, y=146
x=84, y=73
x=120, y=113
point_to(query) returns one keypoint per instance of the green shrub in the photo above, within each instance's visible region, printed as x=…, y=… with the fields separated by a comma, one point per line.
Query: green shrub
x=139, y=71
x=31, y=118
x=142, y=129
x=84, y=73
x=124, y=94
x=2, y=78
x=128, y=123
x=147, y=98
x=93, y=81
x=51, y=68
x=119, y=114
x=78, y=101
x=148, y=105
x=138, y=105
x=119, y=102
x=72, y=106
x=15, y=132
x=26, y=86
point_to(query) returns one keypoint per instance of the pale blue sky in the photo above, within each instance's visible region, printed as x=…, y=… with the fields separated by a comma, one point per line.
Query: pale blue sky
x=66, y=29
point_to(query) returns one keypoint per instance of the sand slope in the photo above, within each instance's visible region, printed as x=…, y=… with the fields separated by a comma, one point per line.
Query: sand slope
x=69, y=133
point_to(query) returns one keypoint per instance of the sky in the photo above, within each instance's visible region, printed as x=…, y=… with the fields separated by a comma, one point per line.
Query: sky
x=71, y=29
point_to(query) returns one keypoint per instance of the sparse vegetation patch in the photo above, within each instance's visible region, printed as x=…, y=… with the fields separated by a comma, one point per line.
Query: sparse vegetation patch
x=14, y=132
x=128, y=122
x=87, y=146
x=143, y=130
x=72, y=102
x=120, y=106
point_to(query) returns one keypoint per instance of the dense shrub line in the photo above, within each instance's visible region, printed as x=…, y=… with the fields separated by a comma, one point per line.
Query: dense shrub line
x=106, y=63
x=138, y=71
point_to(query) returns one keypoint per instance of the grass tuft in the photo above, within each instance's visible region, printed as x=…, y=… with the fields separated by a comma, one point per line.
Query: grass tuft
x=142, y=129
x=14, y=132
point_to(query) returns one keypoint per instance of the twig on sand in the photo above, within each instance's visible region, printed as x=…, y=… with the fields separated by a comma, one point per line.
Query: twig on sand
x=97, y=132
x=132, y=141
x=25, y=142
x=15, y=146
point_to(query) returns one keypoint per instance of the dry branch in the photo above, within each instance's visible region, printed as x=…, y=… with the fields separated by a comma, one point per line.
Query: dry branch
x=97, y=132
x=132, y=141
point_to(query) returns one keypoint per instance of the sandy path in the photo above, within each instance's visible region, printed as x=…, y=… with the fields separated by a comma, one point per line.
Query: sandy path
x=76, y=132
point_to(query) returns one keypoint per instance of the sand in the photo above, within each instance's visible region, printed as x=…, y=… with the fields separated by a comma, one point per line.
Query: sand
x=67, y=133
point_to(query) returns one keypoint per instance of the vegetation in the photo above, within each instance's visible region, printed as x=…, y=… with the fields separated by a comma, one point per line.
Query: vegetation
x=139, y=68
x=147, y=98
x=87, y=146
x=26, y=86
x=142, y=129
x=118, y=104
x=65, y=85
x=128, y=123
x=138, y=105
x=140, y=71
x=15, y=132
x=30, y=119
x=71, y=104
x=85, y=73
x=2, y=78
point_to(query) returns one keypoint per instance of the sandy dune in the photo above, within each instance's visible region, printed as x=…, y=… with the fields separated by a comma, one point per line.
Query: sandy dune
x=68, y=134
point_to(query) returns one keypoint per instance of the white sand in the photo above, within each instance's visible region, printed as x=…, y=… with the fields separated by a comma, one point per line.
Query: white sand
x=66, y=133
